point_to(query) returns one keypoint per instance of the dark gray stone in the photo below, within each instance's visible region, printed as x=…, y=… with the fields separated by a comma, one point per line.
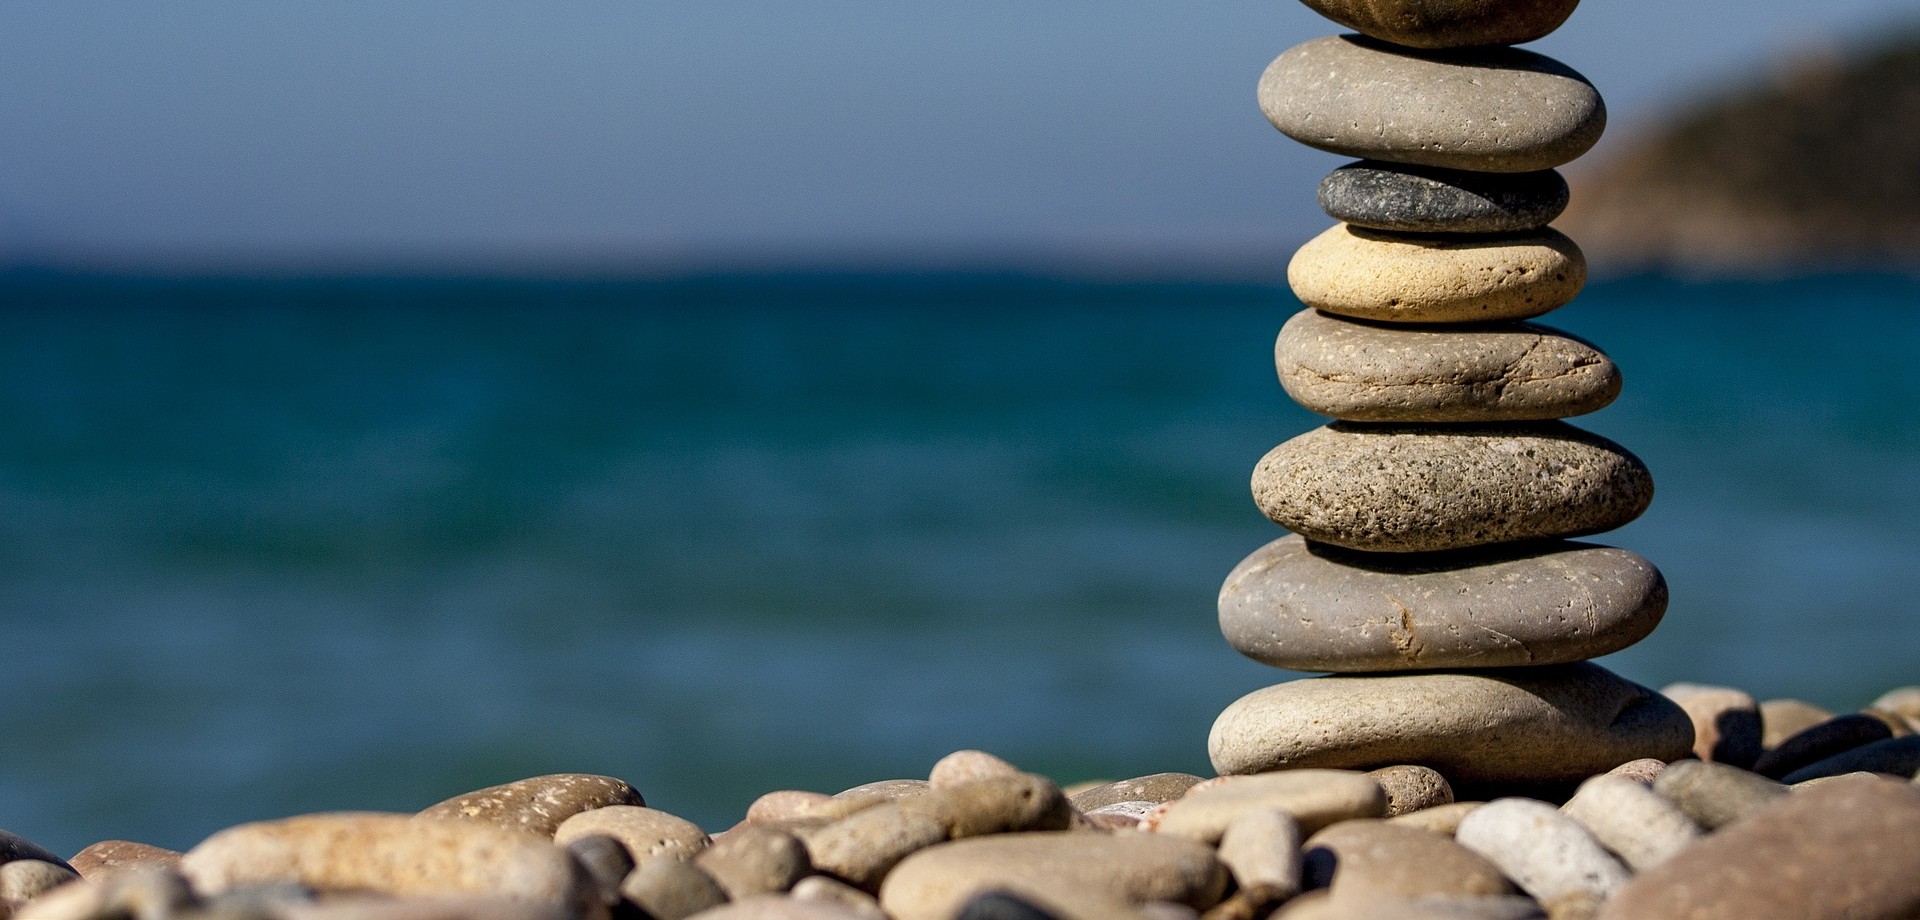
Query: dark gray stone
x=1819, y=742
x=1426, y=199
x=1485, y=372
x=1311, y=607
x=1420, y=488
x=1487, y=109
x=1897, y=756
x=1001, y=905
x=1448, y=23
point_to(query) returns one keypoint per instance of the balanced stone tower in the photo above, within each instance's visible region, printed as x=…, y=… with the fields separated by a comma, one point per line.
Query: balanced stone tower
x=1430, y=568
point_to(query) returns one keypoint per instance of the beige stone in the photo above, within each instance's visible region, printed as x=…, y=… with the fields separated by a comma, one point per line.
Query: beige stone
x=22, y=880
x=1382, y=861
x=537, y=804
x=1715, y=795
x=1406, y=278
x=1261, y=848
x=848, y=898
x=1313, y=798
x=647, y=833
x=1548, y=854
x=967, y=766
x=1483, y=372
x=1559, y=723
x=1132, y=868
x=1411, y=788
x=1783, y=718
x=1846, y=849
x=391, y=854
x=784, y=804
x=1639, y=825
x=1643, y=771
x=864, y=847
x=1155, y=788
x=1440, y=819
x=1410, y=488
x=464, y=908
x=1726, y=722
x=1904, y=701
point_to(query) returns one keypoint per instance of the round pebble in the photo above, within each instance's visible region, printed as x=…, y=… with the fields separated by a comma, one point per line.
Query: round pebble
x=668, y=889
x=1486, y=109
x=1631, y=820
x=1403, y=278
x=647, y=833
x=1385, y=488
x=1715, y=795
x=1548, y=854
x=753, y=860
x=1425, y=199
x=1313, y=607
x=22, y=880
x=1507, y=372
x=967, y=766
x=1155, y=787
x=1448, y=23
x=1558, y=723
x=1377, y=861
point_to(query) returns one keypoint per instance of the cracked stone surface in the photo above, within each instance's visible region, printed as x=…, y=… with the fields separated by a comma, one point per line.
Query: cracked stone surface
x=1420, y=488
x=1496, y=372
x=1484, y=109
x=1296, y=605
x=1404, y=278
x=1558, y=723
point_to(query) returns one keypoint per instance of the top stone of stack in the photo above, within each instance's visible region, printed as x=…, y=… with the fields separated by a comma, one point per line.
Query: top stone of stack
x=1448, y=23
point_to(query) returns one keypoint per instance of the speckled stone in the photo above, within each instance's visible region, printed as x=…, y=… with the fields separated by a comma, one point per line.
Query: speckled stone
x=1394, y=488
x=1426, y=199
x=1849, y=848
x=1549, y=855
x=380, y=852
x=1411, y=788
x=1486, y=109
x=1130, y=867
x=1404, y=278
x=1821, y=741
x=537, y=804
x=1726, y=722
x=647, y=833
x=1497, y=372
x=1155, y=787
x=1448, y=23
x=108, y=858
x=1313, y=607
x=1631, y=820
x=1558, y=723
x=1382, y=861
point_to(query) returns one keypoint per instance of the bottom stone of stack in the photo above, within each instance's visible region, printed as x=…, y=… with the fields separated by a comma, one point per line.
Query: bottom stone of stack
x=1523, y=726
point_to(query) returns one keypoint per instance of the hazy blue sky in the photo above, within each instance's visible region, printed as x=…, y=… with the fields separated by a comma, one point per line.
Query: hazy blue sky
x=683, y=133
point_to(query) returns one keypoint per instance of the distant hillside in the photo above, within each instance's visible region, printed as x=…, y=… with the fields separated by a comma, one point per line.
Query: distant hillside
x=1818, y=168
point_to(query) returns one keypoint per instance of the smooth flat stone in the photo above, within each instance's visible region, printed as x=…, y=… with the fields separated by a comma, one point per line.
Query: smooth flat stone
x=1726, y=722
x=383, y=853
x=1485, y=109
x=538, y=804
x=1812, y=744
x=1381, y=861
x=1409, y=488
x=1781, y=719
x=1849, y=848
x=1448, y=23
x=1895, y=756
x=1406, y=278
x=1558, y=723
x=1361, y=371
x=1714, y=794
x=1129, y=867
x=1427, y=199
x=1155, y=788
x=1312, y=798
x=1313, y=607
x=1440, y=819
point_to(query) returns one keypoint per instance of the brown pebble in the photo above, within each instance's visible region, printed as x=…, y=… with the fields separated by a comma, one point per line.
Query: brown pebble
x=1156, y=788
x=647, y=833
x=1848, y=849
x=1410, y=788
x=536, y=805
x=1373, y=860
x=668, y=889
x=1261, y=848
x=1781, y=719
x=108, y=858
x=1726, y=722
x=755, y=860
x=863, y=848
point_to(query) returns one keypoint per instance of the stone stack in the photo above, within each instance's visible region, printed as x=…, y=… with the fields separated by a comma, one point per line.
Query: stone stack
x=1430, y=567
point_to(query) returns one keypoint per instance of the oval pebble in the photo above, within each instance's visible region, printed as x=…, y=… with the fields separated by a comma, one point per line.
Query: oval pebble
x=754, y=859
x=1631, y=820
x=1713, y=794
x=1261, y=848
x=1312, y=607
x=1501, y=372
x=1898, y=756
x=1155, y=787
x=668, y=889
x=1821, y=741
x=647, y=833
x=1558, y=723
x=1135, y=868
x=1486, y=109
x=1402, y=278
x=1423, y=199
x=1440, y=819
x=1387, y=488
x=1546, y=853
x=1381, y=861
x=1726, y=722
x=1313, y=798
x=1448, y=23
x=538, y=804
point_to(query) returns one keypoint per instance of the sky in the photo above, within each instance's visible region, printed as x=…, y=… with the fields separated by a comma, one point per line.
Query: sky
x=686, y=135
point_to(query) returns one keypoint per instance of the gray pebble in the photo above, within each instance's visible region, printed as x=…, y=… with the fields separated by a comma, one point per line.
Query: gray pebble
x=1546, y=853
x=1713, y=794
x=1486, y=109
x=669, y=889
x=1156, y=788
x=1426, y=199
x=1313, y=607
x=1632, y=820
x=753, y=860
x=1410, y=488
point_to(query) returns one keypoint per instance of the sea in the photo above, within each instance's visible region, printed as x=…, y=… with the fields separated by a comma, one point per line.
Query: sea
x=277, y=546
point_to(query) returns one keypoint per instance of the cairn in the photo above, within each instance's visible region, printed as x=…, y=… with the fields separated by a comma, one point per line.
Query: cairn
x=1430, y=567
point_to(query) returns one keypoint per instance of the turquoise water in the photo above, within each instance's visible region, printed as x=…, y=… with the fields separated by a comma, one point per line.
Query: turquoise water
x=271, y=547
